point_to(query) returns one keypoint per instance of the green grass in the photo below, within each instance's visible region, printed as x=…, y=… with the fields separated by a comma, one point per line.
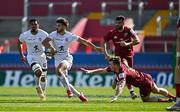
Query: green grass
x=25, y=99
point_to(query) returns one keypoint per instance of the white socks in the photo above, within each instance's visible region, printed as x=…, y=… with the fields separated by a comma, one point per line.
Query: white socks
x=64, y=81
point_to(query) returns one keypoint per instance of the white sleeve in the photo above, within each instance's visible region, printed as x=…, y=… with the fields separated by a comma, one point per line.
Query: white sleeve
x=45, y=36
x=22, y=37
x=51, y=36
x=74, y=37
x=121, y=81
x=121, y=76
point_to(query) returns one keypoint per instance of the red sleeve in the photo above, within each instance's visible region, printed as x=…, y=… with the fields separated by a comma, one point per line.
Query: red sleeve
x=108, y=36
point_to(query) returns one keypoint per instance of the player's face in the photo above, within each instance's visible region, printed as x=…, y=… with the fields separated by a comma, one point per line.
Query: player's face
x=112, y=66
x=119, y=25
x=34, y=25
x=60, y=27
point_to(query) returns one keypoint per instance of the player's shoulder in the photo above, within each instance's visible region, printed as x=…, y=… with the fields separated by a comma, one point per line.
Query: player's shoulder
x=53, y=33
x=69, y=33
x=112, y=31
x=25, y=33
x=42, y=31
x=126, y=28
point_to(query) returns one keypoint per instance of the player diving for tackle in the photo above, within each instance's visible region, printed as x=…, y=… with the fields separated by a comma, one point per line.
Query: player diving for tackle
x=61, y=40
x=125, y=74
x=36, y=57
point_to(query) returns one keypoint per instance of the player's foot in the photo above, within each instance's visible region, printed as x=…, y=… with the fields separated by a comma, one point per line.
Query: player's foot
x=83, y=98
x=69, y=93
x=174, y=107
x=172, y=99
x=114, y=99
x=133, y=95
x=41, y=94
x=44, y=91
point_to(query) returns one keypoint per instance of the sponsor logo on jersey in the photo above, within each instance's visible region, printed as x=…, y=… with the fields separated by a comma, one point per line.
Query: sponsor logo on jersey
x=40, y=39
x=115, y=37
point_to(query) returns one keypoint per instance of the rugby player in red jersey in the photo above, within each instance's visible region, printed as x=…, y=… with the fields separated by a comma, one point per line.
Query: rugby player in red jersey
x=123, y=38
x=125, y=74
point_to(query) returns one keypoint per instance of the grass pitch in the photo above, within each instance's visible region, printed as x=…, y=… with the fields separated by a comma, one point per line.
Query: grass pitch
x=25, y=99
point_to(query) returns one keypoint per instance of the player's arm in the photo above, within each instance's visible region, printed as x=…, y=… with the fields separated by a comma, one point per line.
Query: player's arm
x=46, y=44
x=89, y=44
x=99, y=70
x=107, y=38
x=19, y=47
x=135, y=40
x=105, y=51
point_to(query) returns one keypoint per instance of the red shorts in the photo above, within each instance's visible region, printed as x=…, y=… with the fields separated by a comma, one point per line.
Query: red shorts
x=128, y=59
x=145, y=89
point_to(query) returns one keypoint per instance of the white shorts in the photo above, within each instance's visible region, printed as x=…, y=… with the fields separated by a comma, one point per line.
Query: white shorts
x=68, y=60
x=39, y=59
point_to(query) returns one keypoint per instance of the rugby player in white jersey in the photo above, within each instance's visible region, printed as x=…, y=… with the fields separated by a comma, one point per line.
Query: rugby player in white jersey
x=36, y=57
x=61, y=40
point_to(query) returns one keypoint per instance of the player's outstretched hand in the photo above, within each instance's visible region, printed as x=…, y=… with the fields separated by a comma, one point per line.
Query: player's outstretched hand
x=85, y=70
x=23, y=58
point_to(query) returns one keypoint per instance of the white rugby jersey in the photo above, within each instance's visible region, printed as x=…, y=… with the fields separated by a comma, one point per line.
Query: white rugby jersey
x=62, y=43
x=34, y=42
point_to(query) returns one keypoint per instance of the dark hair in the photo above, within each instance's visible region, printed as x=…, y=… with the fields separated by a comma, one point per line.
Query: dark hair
x=178, y=23
x=120, y=18
x=115, y=60
x=33, y=20
x=63, y=21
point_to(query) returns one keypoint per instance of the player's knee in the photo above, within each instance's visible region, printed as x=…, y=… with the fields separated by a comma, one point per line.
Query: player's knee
x=38, y=73
x=59, y=72
x=61, y=69
x=156, y=90
x=37, y=69
x=43, y=79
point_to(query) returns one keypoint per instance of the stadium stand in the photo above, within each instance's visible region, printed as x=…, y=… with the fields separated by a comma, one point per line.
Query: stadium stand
x=94, y=23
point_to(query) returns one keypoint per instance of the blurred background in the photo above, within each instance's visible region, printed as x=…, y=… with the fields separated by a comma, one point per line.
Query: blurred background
x=153, y=20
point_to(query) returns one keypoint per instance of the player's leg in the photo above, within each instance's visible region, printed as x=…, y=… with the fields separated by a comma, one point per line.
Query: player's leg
x=146, y=90
x=38, y=73
x=43, y=81
x=130, y=87
x=162, y=91
x=177, y=82
x=145, y=96
x=60, y=70
x=154, y=99
x=81, y=96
